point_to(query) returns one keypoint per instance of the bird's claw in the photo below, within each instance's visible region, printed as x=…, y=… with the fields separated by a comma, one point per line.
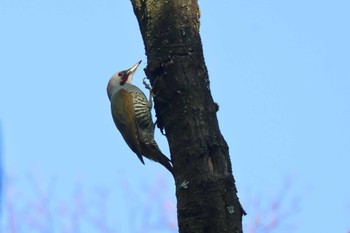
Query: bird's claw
x=147, y=86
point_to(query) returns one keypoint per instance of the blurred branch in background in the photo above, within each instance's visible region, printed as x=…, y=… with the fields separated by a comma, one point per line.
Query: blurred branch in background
x=42, y=209
x=274, y=213
x=158, y=213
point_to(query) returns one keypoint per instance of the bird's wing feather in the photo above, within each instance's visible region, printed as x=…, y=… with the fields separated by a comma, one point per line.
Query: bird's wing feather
x=124, y=118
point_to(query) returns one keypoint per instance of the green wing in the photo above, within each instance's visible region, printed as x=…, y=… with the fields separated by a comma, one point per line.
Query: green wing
x=124, y=118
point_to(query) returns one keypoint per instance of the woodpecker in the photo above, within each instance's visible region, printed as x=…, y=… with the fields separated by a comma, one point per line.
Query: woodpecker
x=131, y=112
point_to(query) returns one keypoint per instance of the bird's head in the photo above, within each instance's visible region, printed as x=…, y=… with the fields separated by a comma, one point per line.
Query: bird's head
x=120, y=78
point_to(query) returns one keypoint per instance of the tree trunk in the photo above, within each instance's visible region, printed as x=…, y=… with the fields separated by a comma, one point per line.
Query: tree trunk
x=206, y=194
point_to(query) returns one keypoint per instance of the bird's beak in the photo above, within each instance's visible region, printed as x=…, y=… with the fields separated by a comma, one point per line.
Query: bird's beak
x=133, y=69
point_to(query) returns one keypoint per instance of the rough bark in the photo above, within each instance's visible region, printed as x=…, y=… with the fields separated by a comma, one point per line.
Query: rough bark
x=206, y=194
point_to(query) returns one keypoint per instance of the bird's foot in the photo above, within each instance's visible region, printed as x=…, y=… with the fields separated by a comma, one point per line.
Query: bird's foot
x=147, y=86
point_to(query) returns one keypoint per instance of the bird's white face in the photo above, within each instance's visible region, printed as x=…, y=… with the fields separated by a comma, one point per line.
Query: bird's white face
x=119, y=79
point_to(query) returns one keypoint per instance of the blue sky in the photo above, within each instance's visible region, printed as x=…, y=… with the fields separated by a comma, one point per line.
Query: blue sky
x=279, y=71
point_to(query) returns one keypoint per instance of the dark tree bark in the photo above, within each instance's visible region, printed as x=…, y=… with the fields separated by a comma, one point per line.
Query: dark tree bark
x=206, y=194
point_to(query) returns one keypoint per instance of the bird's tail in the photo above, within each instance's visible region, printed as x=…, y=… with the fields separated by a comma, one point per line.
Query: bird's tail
x=152, y=152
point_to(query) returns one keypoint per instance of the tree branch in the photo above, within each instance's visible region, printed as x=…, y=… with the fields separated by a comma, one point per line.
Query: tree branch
x=205, y=189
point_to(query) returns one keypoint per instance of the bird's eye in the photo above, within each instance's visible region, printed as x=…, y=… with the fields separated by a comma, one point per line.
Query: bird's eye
x=120, y=74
